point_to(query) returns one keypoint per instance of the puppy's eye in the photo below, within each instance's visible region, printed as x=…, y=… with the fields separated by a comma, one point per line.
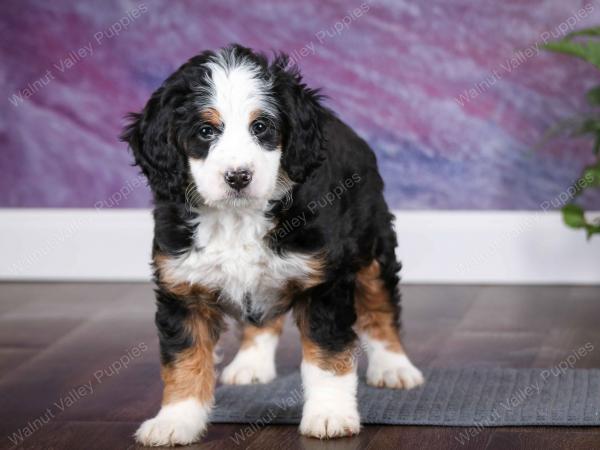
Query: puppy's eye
x=207, y=132
x=259, y=127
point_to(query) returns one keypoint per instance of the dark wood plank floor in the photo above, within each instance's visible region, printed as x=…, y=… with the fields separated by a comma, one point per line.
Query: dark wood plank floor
x=79, y=363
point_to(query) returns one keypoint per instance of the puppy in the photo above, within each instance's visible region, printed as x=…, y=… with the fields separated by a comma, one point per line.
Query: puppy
x=265, y=202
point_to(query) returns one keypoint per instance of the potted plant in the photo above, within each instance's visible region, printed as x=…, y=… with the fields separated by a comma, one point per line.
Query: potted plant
x=583, y=44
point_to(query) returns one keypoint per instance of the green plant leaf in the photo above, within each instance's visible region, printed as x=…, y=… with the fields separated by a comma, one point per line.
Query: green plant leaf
x=593, y=96
x=593, y=31
x=591, y=229
x=570, y=126
x=596, y=148
x=587, y=50
x=587, y=126
x=584, y=44
x=573, y=216
x=591, y=175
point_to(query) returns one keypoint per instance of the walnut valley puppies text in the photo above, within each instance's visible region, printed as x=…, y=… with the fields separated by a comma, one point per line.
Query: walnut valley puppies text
x=78, y=393
x=336, y=29
x=75, y=55
x=313, y=206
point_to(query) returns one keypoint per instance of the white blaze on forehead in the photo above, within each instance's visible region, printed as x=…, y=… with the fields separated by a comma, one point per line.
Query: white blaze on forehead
x=236, y=90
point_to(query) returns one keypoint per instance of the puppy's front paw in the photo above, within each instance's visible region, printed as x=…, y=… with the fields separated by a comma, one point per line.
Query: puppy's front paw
x=165, y=431
x=179, y=423
x=393, y=370
x=330, y=409
x=324, y=422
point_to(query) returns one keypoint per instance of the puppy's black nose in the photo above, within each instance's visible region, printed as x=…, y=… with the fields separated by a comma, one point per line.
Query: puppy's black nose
x=238, y=179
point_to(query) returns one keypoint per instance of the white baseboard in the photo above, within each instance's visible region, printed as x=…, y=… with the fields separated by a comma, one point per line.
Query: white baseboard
x=435, y=247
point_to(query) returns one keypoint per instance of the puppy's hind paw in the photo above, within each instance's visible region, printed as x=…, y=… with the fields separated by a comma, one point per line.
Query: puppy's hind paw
x=254, y=364
x=394, y=371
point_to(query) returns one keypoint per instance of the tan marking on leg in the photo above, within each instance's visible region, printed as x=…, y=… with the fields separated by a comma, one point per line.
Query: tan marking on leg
x=339, y=363
x=250, y=332
x=192, y=373
x=375, y=313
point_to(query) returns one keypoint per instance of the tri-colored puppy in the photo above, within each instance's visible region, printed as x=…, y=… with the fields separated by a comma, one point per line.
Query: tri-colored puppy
x=265, y=201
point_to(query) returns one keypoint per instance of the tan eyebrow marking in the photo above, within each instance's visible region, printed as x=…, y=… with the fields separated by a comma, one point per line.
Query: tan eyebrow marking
x=255, y=115
x=211, y=116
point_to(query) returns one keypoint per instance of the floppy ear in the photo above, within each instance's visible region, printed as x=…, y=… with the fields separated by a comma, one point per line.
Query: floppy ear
x=302, y=114
x=151, y=137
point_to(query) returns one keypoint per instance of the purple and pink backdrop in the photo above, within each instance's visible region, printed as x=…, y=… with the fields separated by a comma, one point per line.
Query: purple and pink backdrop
x=452, y=96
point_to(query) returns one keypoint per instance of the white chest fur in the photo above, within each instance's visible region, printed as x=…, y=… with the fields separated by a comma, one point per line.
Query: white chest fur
x=230, y=256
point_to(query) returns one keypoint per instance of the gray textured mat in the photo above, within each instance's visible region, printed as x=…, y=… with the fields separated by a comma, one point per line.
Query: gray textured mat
x=451, y=397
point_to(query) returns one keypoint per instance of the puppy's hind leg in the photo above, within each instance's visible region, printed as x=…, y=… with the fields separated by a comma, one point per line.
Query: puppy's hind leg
x=255, y=360
x=378, y=310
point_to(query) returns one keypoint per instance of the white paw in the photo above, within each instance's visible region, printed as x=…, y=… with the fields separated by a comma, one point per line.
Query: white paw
x=324, y=424
x=179, y=423
x=165, y=431
x=393, y=371
x=254, y=364
x=238, y=373
x=330, y=409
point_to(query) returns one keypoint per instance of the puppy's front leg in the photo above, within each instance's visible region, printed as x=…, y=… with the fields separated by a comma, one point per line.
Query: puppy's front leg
x=188, y=331
x=328, y=365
